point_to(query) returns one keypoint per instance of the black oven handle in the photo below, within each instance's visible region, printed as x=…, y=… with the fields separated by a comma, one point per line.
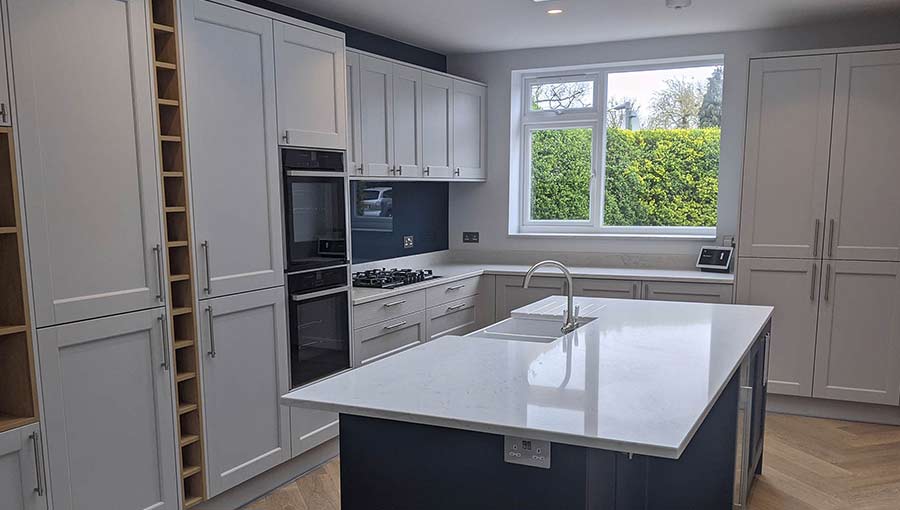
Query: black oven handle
x=313, y=295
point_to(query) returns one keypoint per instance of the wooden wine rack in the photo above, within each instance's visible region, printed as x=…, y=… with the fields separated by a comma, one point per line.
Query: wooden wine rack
x=18, y=394
x=180, y=270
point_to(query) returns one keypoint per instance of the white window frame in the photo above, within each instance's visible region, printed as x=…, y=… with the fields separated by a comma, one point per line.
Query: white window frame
x=596, y=118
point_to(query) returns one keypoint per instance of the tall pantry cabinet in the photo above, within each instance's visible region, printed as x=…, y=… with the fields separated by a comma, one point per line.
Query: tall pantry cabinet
x=88, y=153
x=820, y=222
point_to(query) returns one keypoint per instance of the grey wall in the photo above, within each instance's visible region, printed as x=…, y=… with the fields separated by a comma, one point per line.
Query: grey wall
x=484, y=207
x=362, y=40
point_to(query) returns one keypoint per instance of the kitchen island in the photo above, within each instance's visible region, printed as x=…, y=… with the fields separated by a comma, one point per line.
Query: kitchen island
x=646, y=405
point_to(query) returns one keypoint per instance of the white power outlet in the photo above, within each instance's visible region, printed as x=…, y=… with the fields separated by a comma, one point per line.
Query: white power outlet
x=408, y=241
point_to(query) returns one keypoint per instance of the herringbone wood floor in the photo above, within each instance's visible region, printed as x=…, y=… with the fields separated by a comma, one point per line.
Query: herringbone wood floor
x=809, y=464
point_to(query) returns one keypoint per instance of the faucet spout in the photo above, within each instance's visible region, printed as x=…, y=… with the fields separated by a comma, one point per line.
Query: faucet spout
x=571, y=317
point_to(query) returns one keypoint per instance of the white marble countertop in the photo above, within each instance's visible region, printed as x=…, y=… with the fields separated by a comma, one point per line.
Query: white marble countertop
x=451, y=271
x=640, y=378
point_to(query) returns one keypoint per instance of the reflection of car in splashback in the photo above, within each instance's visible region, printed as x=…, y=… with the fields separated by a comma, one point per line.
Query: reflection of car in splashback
x=377, y=201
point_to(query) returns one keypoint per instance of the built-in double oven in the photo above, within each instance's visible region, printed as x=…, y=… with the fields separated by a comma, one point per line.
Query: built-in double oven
x=317, y=260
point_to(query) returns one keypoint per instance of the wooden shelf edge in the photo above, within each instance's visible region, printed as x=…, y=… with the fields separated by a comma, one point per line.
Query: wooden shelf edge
x=9, y=230
x=188, y=439
x=12, y=330
x=191, y=502
x=159, y=27
x=176, y=244
x=181, y=344
x=182, y=310
x=168, y=102
x=8, y=422
x=179, y=277
x=186, y=408
x=165, y=65
x=186, y=376
x=190, y=471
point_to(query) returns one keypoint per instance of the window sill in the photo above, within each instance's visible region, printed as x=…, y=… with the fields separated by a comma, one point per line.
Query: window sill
x=577, y=235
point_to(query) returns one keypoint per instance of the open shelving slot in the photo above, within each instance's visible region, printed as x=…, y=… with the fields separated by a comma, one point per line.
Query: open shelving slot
x=18, y=396
x=180, y=271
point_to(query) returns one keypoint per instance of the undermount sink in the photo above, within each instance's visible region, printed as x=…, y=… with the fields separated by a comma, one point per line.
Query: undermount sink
x=525, y=329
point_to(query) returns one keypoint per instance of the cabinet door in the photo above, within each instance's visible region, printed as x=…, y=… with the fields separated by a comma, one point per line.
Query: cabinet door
x=108, y=413
x=312, y=105
x=469, y=131
x=688, y=292
x=858, y=347
x=407, y=121
x=384, y=339
x=22, y=482
x=234, y=172
x=354, y=141
x=310, y=428
x=245, y=372
x=786, y=156
x=376, y=105
x=437, y=125
x=864, y=183
x=88, y=153
x=792, y=287
x=454, y=318
x=510, y=295
x=618, y=289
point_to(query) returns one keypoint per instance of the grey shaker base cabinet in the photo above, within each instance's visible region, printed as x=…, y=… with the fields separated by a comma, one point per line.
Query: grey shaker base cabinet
x=23, y=485
x=839, y=320
x=108, y=413
x=245, y=371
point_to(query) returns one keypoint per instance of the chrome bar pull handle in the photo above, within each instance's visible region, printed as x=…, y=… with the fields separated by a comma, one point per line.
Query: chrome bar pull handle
x=38, y=471
x=395, y=303
x=456, y=307
x=159, y=272
x=212, y=333
x=816, y=237
x=455, y=287
x=827, y=281
x=395, y=326
x=831, y=238
x=205, y=246
x=456, y=172
x=163, y=324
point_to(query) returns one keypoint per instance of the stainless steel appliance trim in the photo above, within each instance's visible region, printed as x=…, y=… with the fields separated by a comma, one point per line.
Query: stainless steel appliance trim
x=320, y=293
x=301, y=271
x=314, y=173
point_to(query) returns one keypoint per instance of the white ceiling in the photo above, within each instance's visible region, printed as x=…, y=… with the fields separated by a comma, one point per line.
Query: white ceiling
x=467, y=26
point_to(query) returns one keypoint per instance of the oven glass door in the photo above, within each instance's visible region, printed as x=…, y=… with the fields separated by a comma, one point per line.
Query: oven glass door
x=315, y=221
x=320, y=336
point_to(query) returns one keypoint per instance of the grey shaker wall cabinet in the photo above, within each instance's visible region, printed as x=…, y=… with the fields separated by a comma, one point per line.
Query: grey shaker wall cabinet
x=235, y=172
x=842, y=325
x=469, y=130
x=410, y=123
x=90, y=181
x=310, y=72
x=23, y=484
x=437, y=125
x=108, y=413
x=245, y=371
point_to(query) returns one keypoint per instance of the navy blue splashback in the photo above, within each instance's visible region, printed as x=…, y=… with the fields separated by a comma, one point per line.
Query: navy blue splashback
x=365, y=41
x=383, y=213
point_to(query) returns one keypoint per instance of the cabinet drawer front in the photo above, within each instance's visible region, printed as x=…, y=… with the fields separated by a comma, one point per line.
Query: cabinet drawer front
x=620, y=289
x=453, y=318
x=452, y=291
x=388, y=308
x=389, y=337
x=688, y=292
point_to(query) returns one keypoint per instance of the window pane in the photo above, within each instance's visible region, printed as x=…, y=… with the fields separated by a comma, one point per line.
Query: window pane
x=662, y=147
x=562, y=96
x=561, y=174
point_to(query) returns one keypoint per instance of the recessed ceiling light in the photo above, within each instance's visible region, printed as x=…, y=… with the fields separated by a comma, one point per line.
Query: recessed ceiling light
x=555, y=11
x=678, y=4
